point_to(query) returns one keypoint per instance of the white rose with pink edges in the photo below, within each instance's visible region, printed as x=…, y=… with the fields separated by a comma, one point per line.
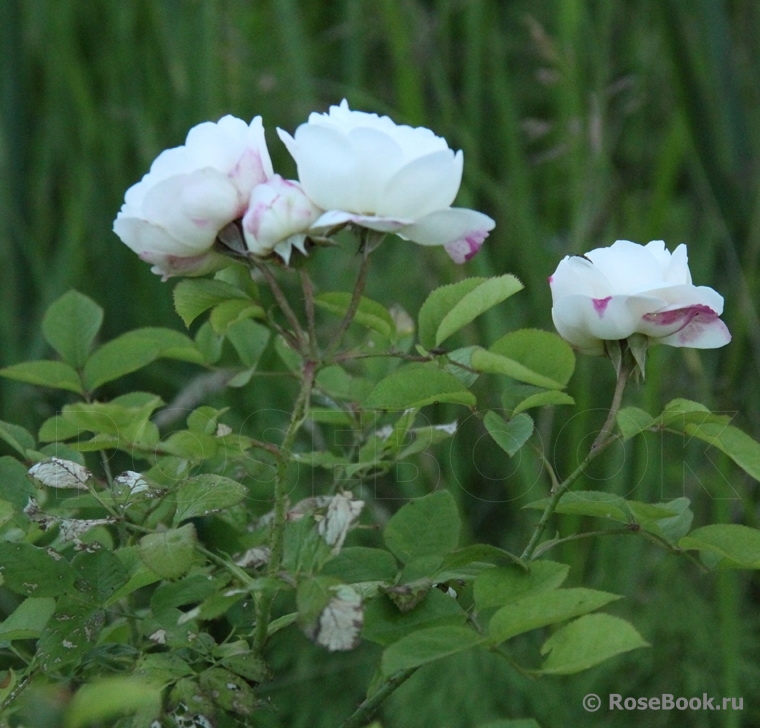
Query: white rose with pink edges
x=367, y=170
x=222, y=174
x=611, y=293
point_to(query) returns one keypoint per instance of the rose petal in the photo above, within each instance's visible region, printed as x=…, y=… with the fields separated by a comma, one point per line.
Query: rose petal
x=326, y=167
x=422, y=186
x=448, y=227
x=704, y=331
x=335, y=218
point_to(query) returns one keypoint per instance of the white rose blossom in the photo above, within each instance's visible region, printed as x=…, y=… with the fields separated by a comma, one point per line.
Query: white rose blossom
x=223, y=172
x=612, y=293
x=365, y=169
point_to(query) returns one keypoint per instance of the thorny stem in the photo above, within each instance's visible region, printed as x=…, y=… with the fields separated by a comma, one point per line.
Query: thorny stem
x=308, y=298
x=276, y=536
x=369, y=707
x=601, y=442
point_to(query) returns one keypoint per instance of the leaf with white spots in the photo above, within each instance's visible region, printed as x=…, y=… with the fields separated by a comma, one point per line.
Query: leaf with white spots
x=342, y=511
x=331, y=614
x=33, y=571
x=59, y=473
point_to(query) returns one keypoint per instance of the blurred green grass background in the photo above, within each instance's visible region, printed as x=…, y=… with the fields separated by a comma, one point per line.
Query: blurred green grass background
x=581, y=122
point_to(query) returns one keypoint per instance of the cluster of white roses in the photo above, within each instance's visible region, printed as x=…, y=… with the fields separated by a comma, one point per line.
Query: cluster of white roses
x=353, y=167
x=365, y=170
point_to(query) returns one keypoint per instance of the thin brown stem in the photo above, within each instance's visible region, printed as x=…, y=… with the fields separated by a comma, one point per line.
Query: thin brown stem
x=368, y=245
x=282, y=302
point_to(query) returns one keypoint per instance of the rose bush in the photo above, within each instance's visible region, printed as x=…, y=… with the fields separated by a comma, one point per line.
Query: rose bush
x=365, y=169
x=612, y=293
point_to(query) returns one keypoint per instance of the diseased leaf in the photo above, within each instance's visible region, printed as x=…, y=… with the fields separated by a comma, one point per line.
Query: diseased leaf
x=34, y=571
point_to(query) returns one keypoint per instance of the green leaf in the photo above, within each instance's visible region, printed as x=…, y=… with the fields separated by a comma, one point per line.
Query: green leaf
x=542, y=352
x=100, y=573
x=337, y=383
x=169, y=553
x=28, y=620
x=517, y=723
x=17, y=437
x=136, y=349
x=586, y=642
x=33, y=571
x=488, y=362
x=454, y=562
x=70, y=325
x=438, y=304
x=510, y=435
x=205, y=494
x=194, y=296
x=228, y=313
x=249, y=339
x=384, y=623
x=190, y=590
x=543, y=609
x=126, y=417
x=360, y=563
x=56, y=374
x=737, y=546
x=671, y=520
x=550, y=397
x=449, y=308
x=369, y=314
x=428, y=645
x=417, y=385
x=632, y=421
x=427, y=526
x=596, y=503
x=496, y=587
x=111, y=697
x=732, y=441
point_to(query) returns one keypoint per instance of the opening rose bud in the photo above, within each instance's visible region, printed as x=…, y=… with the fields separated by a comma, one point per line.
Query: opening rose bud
x=279, y=213
x=171, y=218
x=612, y=293
x=367, y=170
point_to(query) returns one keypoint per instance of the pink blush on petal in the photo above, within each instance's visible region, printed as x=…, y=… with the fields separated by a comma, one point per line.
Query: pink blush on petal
x=600, y=305
x=684, y=316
